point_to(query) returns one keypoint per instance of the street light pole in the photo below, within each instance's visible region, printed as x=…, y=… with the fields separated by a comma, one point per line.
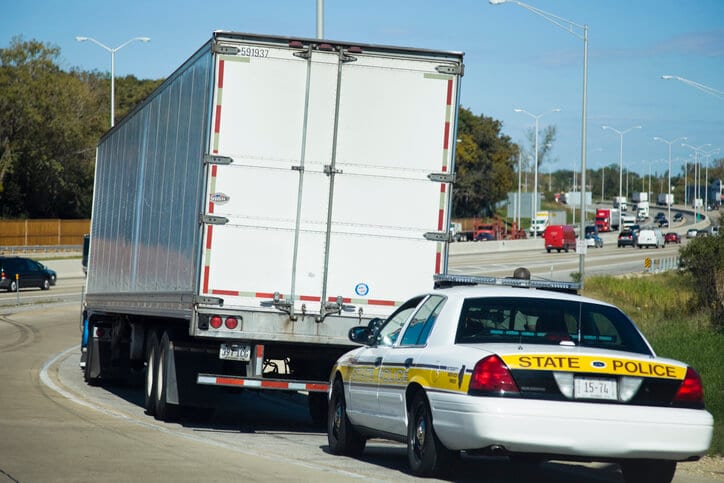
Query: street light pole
x=656, y=138
x=535, y=175
x=569, y=27
x=620, y=157
x=701, y=87
x=706, y=175
x=697, y=150
x=113, y=64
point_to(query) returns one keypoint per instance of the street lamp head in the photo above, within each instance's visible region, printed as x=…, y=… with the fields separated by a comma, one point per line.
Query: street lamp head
x=144, y=39
x=81, y=39
x=497, y=2
x=667, y=77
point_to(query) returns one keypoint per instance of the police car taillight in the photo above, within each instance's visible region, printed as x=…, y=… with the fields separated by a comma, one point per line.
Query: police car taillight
x=492, y=375
x=691, y=389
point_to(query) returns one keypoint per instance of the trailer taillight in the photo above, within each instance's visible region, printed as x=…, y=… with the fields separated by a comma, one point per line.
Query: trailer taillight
x=215, y=321
x=231, y=323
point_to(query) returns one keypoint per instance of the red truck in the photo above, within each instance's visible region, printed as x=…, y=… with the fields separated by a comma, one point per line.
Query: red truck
x=608, y=219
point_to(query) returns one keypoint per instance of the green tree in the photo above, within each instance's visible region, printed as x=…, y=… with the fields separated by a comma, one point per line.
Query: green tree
x=484, y=165
x=48, y=126
x=703, y=262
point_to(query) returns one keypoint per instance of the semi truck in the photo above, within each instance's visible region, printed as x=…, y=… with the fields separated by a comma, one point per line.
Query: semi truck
x=544, y=219
x=608, y=219
x=665, y=199
x=620, y=202
x=639, y=196
x=247, y=214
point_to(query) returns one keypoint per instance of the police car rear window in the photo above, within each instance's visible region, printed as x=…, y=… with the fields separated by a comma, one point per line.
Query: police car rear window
x=545, y=321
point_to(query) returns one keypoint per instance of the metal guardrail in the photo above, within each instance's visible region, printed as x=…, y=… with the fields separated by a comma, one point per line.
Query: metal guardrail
x=10, y=250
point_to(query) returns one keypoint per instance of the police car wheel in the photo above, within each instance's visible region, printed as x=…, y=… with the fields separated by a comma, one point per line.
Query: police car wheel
x=425, y=453
x=342, y=437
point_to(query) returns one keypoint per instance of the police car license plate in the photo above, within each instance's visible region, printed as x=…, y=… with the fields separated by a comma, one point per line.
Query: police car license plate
x=235, y=352
x=593, y=388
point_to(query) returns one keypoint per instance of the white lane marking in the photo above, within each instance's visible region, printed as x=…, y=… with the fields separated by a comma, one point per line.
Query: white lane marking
x=45, y=378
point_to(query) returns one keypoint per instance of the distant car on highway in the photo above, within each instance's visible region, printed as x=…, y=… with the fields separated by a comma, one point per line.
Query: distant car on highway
x=529, y=373
x=21, y=272
x=626, y=238
x=663, y=222
x=678, y=216
x=650, y=238
x=672, y=237
x=593, y=240
x=692, y=233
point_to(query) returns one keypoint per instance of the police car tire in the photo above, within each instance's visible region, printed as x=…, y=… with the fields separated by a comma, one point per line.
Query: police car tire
x=426, y=454
x=653, y=471
x=149, y=392
x=342, y=437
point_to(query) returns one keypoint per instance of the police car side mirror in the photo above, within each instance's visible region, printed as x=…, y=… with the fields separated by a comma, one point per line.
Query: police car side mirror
x=361, y=335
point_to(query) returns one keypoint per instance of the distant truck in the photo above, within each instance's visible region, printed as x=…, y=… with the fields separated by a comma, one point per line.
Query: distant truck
x=642, y=210
x=620, y=203
x=608, y=219
x=665, y=199
x=639, y=196
x=627, y=221
x=245, y=213
x=543, y=219
x=559, y=237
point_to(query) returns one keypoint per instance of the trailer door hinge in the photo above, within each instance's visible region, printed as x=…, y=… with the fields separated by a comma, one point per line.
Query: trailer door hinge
x=329, y=171
x=438, y=236
x=454, y=69
x=442, y=177
x=214, y=220
x=225, y=49
x=216, y=159
x=203, y=300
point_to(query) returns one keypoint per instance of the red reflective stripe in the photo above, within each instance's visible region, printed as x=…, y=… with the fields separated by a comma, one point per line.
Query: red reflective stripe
x=310, y=298
x=275, y=384
x=262, y=295
x=449, y=91
x=217, y=124
x=221, y=75
x=438, y=262
x=229, y=381
x=260, y=350
x=206, y=279
x=234, y=293
x=381, y=302
x=446, y=143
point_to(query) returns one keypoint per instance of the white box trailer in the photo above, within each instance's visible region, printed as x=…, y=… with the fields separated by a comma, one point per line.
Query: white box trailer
x=271, y=194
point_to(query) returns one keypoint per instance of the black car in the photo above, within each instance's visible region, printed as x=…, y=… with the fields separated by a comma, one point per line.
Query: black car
x=663, y=222
x=24, y=272
x=626, y=238
x=678, y=216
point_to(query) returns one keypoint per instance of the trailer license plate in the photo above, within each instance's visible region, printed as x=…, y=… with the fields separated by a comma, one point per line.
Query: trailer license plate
x=235, y=352
x=591, y=388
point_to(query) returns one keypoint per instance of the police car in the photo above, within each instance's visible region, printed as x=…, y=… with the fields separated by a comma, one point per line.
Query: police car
x=519, y=370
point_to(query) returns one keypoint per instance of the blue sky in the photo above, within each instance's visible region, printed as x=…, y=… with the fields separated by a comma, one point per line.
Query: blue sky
x=514, y=58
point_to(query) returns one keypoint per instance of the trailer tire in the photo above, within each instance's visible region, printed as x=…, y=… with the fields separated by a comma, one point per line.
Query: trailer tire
x=164, y=410
x=318, y=408
x=149, y=393
x=90, y=355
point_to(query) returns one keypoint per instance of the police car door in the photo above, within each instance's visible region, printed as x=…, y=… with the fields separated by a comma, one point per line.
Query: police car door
x=400, y=360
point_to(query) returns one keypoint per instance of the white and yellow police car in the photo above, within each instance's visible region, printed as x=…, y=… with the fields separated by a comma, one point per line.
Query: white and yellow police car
x=518, y=371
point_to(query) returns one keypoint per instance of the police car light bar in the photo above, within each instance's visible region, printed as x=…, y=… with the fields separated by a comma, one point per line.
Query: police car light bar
x=445, y=280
